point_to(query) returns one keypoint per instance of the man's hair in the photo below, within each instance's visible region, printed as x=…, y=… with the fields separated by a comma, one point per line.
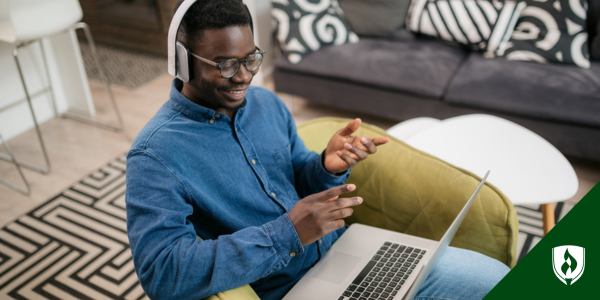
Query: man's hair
x=211, y=14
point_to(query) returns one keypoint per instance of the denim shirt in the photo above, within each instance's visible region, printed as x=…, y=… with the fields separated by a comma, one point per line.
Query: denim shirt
x=192, y=171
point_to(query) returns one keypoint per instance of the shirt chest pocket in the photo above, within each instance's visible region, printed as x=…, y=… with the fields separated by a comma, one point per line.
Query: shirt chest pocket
x=283, y=159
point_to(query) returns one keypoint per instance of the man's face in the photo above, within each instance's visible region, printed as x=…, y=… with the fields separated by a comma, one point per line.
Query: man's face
x=207, y=87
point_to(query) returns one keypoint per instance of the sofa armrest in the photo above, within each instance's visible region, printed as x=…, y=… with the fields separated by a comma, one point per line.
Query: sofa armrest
x=409, y=191
x=242, y=293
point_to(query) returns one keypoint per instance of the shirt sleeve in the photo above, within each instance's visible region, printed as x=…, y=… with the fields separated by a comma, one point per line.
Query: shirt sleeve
x=310, y=175
x=170, y=261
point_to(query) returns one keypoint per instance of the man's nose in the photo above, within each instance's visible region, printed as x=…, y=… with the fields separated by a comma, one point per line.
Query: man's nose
x=242, y=75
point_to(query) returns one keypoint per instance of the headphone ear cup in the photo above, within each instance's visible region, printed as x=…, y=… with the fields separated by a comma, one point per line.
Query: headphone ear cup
x=184, y=66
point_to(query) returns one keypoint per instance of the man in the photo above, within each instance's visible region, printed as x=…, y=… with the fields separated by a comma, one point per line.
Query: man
x=222, y=160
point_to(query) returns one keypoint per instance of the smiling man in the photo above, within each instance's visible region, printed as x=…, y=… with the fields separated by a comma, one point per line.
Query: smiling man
x=222, y=160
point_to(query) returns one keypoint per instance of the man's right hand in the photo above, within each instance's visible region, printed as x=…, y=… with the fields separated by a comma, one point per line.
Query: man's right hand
x=319, y=214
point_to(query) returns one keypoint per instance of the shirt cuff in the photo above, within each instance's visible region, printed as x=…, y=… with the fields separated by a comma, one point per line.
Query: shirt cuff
x=324, y=176
x=285, y=238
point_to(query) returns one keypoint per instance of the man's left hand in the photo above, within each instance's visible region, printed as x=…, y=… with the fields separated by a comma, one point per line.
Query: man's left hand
x=344, y=150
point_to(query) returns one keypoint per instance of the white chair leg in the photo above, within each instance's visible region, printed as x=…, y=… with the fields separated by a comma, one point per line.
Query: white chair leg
x=43, y=170
x=24, y=191
x=48, y=78
x=83, y=119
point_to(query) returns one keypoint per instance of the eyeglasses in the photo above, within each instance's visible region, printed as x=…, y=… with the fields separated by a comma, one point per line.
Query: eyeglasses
x=230, y=67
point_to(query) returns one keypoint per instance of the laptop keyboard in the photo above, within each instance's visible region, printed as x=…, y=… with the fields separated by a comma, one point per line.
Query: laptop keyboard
x=385, y=273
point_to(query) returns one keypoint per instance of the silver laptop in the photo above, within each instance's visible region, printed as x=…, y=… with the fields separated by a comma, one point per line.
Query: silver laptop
x=369, y=263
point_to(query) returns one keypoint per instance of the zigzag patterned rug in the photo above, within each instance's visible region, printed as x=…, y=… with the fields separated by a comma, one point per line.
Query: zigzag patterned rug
x=75, y=245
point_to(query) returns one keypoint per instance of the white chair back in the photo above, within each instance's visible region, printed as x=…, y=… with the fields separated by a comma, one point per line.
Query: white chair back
x=7, y=32
x=34, y=19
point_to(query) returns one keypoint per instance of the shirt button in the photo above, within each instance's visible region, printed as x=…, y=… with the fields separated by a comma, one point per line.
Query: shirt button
x=236, y=129
x=320, y=241
x=292, y=254
x=273, y=194
x=217, y=116
x=211, y=121
x=253, y=162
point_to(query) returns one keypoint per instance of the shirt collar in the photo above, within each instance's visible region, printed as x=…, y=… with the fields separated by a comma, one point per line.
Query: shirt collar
x=189, y=108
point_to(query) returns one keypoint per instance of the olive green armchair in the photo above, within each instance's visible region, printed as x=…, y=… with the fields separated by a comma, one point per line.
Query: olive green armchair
x=410, y=191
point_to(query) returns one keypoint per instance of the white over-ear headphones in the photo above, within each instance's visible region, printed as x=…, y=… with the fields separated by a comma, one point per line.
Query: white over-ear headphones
x=179, y=55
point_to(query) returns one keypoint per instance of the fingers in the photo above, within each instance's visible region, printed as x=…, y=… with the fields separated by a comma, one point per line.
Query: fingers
x=337, y=224
x=360, y=154
x=343, y=203
x=349, y=160
x=334, y=192
x=350, y=128
x=368, y=144
x=380, y=140
x=341, y=213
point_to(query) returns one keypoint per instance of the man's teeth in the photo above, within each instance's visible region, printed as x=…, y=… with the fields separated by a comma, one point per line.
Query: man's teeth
x=236, y=92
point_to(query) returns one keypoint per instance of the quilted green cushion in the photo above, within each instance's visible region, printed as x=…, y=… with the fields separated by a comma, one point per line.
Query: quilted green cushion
x=409, y=191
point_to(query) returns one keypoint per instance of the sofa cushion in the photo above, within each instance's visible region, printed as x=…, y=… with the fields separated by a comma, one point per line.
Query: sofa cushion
x=378, y=18
x=420, y=67
x=547, y=91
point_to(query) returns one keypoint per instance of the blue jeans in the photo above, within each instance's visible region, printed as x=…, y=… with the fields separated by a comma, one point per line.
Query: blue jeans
x=462, y=274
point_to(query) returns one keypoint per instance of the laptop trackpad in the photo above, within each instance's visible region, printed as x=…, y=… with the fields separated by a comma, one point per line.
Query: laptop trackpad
x=337, y=267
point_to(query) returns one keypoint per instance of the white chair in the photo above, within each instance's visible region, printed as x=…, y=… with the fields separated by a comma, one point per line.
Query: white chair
x=11, y=185
x=23, y=22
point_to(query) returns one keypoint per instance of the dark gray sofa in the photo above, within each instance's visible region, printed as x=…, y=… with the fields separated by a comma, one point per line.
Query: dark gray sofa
x=400, y=80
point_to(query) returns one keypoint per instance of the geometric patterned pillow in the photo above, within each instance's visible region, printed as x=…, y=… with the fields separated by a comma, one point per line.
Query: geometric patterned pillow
x=484, y=25
x=551, y=31
x=303, y=26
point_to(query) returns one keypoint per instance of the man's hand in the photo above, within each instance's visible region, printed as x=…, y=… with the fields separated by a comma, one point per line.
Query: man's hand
x=344, y=151
x=319, y=214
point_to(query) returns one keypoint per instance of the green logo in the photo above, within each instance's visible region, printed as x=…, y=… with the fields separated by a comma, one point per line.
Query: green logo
x=535, y=278
x=565, y=259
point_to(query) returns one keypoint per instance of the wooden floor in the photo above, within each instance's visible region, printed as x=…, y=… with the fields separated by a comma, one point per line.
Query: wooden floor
x=77, y=149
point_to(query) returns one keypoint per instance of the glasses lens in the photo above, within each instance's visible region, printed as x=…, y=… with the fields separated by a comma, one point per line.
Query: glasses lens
x=229, y=68
x=254, y=62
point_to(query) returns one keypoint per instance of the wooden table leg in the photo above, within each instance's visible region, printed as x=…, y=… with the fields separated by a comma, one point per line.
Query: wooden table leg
x=548, y=216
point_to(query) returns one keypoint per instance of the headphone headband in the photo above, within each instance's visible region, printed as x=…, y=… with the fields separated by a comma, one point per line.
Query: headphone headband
x=174, y=28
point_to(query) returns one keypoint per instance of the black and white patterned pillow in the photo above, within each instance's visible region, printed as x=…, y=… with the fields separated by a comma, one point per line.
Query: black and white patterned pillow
x=484, y=25
x=304, y=26
x=595, y=48
x=551, y=31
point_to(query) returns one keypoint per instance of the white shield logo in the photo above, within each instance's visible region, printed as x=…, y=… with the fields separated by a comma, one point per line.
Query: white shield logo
x=568, y=263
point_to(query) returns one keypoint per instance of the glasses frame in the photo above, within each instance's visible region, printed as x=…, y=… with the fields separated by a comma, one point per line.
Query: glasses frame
x=239, y=61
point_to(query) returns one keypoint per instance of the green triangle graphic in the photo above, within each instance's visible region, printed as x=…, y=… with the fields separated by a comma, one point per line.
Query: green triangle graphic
x=534, y=276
